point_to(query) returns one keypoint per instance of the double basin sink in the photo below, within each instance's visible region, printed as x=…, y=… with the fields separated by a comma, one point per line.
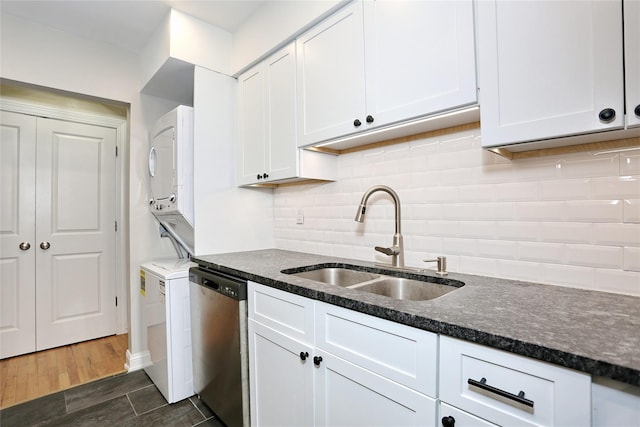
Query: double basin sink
x=401, y=288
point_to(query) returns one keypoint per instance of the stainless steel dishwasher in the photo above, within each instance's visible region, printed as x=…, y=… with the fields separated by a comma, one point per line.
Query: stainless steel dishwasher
x=219, y=344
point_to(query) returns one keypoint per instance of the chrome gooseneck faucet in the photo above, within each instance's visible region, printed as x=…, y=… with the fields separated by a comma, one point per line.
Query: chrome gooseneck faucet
x=396, y=251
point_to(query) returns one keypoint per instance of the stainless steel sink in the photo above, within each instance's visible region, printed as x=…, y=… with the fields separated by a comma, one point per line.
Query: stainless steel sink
x=405, y=289
x=337, y=276
x=381, y=284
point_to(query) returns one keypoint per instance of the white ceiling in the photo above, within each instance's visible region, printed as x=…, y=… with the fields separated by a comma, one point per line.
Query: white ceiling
x=127, y=24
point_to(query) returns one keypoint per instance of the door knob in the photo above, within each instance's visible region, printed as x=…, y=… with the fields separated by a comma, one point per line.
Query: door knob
x=317, y=360
x=45, y=245
x=24, y=246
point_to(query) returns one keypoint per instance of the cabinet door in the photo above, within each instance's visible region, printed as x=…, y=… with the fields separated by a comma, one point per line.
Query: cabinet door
x=548, y=68
x=450, y=416
x=632, y=60
x=348, y=395
x=420, y=58
x=280, y=382
x=251, y=126
x=17, y=234
x=330, y=70
x=282, y=152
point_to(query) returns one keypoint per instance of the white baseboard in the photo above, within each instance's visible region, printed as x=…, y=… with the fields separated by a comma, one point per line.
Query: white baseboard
x=137, y=361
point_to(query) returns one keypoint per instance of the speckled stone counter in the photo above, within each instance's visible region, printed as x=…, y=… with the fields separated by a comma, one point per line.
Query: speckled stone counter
x=593, y=332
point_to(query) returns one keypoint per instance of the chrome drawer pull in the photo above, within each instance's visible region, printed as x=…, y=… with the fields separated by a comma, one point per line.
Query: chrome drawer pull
x=515, y=397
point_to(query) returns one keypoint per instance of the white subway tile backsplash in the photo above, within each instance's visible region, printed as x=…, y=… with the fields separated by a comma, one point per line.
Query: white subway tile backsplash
x=552, y=253
x=491, y=249
x=495, y=174
x=421, y=179
x=476, y=193
x=632, y=258
x=498, y=211
x=631, y=210
x=536, y=170
x=625, y=282
x=519, y=270
x=517, y=230
x=568, y=275
x=516, y=192
x=413, y=227
x=459, y=211
x=477, y=229
x=630, y=162
x=566, y=232
x=540, y=211
x=426, y=244
x=616, y=234
x=455, y=246
x=594, y=256
x=475, y=265
x=565, y=189
x=427, y=212
x=572, y=220
x=618, y=187
x=594, y=210
x=443, y=228
x=588, y=165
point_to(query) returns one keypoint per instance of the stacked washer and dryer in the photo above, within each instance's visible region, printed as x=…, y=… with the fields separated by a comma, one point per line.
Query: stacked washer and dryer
x=195, y=319
x=164, y=284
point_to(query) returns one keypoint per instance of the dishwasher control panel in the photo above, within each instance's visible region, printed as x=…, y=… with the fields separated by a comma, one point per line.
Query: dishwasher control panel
x=230, y=286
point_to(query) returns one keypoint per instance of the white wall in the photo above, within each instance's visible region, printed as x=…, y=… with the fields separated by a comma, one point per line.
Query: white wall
x=272, y=24
x=39, y=55
x=569, y=220
x=227, y=218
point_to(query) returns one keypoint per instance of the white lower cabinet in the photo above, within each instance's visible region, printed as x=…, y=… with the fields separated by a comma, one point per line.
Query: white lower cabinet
x=281, y=383
x=295, y=381
x=349, y=395
x=316, y=364
x=454, y=417
x=507, y=389
x=614, y=403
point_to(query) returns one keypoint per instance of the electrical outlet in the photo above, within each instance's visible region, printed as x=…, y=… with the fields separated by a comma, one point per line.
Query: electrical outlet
x=300, y=217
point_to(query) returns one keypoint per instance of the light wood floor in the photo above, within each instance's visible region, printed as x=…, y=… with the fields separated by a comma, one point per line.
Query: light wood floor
x=33, y=375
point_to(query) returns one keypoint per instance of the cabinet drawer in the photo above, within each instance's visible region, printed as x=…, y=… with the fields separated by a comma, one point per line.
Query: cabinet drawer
x=287, y=313
x=486, y=382
x=403, y=354
x=460, y=418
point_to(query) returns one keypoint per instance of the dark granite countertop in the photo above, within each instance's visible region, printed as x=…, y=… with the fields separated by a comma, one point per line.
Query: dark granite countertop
x=590, y=331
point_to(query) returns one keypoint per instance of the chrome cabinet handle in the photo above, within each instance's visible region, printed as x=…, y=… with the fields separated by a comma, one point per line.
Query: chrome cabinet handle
x=24, y=246
x=45, y=245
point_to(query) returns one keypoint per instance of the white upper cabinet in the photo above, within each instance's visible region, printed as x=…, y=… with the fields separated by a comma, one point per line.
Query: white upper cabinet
x=266, y=119
x=420, y=58
x=331, y=86
x=376, y=63
x=632, y=60
x=267, y=139
x=549, y=69
x=251, y=124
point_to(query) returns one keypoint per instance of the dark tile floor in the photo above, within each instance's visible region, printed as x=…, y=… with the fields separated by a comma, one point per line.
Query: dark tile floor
x=122, y=400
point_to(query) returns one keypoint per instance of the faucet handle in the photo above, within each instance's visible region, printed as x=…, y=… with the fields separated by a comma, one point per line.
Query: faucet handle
x=442, y=264
x=394, y=250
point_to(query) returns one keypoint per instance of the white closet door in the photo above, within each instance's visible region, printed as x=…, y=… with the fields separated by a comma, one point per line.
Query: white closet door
x=17, y=227
x=75, y=230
